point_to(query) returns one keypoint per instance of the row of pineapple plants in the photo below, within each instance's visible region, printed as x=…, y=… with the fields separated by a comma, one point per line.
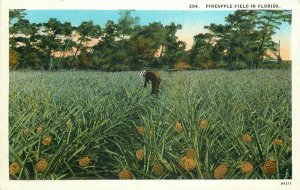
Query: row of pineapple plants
x=202, y=125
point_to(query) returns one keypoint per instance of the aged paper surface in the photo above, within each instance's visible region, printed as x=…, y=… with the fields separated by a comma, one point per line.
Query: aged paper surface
x=6, y=183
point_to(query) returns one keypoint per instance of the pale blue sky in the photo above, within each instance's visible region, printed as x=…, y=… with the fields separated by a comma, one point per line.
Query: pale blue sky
x=101, y=16
x=192, y=21
x=186, y=18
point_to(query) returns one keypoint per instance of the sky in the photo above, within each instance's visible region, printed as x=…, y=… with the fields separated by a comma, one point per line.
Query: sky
x=192, y=22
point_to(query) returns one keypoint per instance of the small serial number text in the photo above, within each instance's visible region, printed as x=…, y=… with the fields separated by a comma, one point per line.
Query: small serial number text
x=285, y=183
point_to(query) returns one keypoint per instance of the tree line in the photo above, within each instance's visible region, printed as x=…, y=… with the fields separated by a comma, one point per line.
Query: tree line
x=244, y=41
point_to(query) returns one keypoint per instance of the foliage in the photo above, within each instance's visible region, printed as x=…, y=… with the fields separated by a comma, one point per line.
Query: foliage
x=49, y=39
x=182, y=65
x=126, y=25
x=16, y=15
x=173, y=50
x=106, y=125
x=201, y=54
x=13, y=59
x=242, y=42
x=246, y=37
x=86, y=30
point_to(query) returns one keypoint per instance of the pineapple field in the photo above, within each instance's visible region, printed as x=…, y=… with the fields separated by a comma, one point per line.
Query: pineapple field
x=105, y=125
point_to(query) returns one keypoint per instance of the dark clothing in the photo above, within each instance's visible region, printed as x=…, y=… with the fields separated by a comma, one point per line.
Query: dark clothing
x=155, y=81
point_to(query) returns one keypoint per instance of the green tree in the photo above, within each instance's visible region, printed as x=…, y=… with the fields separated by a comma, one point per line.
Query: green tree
x=23, y=38
x=232, y=40
x=267, y=23
x=126, y=25
x=104, y=51
x=201, y=53
x=172, y=50
x=247, y=36
x=67, y=36
x=15, y=15
x=86, y=31
x=144, y=44
x=52, y=39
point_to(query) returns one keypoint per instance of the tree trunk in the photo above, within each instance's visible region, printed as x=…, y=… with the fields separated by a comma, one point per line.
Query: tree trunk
x=122, y=46
x=256, y=64
x=260, y=49
x=123, y=30
x=63, y=53
x=47, y=64
x=161, y=53
x=77, y=49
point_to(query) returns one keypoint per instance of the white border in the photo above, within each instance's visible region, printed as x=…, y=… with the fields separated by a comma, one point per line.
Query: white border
x=6, y=184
